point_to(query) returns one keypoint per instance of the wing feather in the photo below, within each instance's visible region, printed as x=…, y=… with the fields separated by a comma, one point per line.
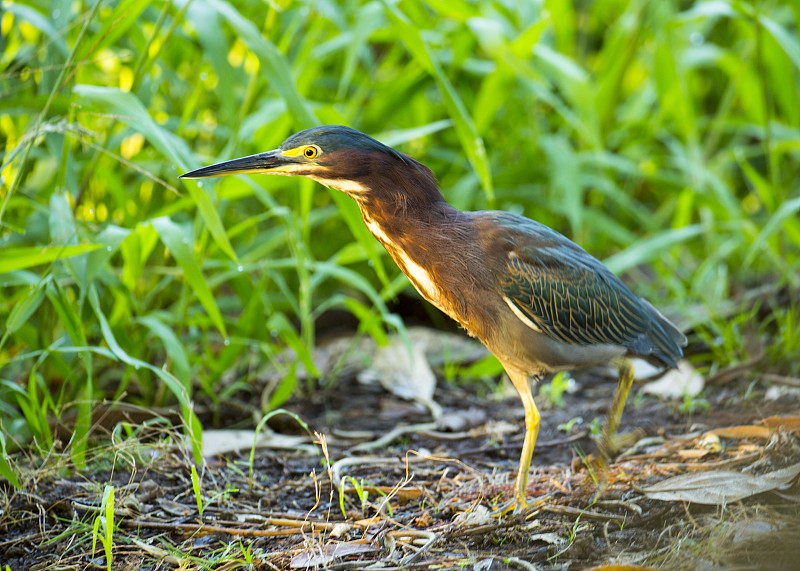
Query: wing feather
x=573, y=301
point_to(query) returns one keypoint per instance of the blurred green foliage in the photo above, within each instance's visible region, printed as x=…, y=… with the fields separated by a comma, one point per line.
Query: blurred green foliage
x=658, y=134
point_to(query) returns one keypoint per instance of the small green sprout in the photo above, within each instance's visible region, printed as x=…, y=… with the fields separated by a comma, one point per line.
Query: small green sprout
x=570, y=424
x=107, y=523
x=553, y=392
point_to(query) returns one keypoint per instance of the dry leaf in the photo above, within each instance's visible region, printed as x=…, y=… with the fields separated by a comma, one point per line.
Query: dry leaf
x=225, y=441
x=175, y=508
x=719, y=488
x=693, y=454
x=441, y=347
x=156, y=552
x=400, y=494
x=747, y=431
x=478, y=516
x=622, y=568
x=407, y=375
x=781, y=393
x=324, y=554
x=550, y=538
x=676, y=383
x=752, y=530
x=461, y=420
x=340, y=529
x=782, y=423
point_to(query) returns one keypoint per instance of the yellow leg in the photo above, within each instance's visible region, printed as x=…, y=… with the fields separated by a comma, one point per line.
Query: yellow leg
x=523, y=386
x=608, y=437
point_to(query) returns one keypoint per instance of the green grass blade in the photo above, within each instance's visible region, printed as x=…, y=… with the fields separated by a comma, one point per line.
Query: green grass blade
x=786, y=40
x=7, y=471
x=173, y=348
x=277, y=68
x=172, y=383
x=42, y=114
x=68, y=315
x=785, y=212
x=133, y=113
x=649, y=248
x=24, y=309
x=197, y=493
x=18, y=258
x=368, y=19
x=111, y=237
x=178, y=241
x=64, y=232
x=72, y=323
x=115, y=25
x=468, y=135
x=286, y=331
x=135, y=250
x=216, y=48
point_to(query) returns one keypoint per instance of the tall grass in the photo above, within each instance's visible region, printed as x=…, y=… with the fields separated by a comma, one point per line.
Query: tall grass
x=657, y=134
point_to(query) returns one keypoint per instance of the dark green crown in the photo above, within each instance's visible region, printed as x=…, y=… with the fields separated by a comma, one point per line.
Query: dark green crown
x=332, y=138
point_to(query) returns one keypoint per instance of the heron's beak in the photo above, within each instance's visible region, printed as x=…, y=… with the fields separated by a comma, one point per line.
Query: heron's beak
x=269, y=162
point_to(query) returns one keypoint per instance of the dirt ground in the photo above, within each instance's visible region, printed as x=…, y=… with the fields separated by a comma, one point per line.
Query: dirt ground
x=419, y=498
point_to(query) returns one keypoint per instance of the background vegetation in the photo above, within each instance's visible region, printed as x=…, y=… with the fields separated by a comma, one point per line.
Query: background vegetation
x=661, y=135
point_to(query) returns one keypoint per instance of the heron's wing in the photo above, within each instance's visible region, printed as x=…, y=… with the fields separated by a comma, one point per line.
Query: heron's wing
x=571, y=297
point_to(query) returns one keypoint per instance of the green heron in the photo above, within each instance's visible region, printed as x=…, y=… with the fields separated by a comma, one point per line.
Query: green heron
x=537, y=300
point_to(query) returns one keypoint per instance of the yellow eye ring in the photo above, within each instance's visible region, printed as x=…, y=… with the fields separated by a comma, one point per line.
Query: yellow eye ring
x=310, y=152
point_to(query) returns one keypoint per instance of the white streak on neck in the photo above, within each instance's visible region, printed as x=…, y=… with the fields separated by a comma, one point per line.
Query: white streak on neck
x=420, y=278
x=342, y=185
x=376, y=231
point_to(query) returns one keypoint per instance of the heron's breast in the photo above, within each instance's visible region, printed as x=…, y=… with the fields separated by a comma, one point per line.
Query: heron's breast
x=426, y=271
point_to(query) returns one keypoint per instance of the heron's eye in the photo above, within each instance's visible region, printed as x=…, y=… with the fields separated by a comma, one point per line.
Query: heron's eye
x=310, y=152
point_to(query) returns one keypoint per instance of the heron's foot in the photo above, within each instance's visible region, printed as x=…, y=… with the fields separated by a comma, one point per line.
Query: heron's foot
x=513, y=507
x=601, y=476
x=608, y=447
x=613, y=444
x=518, y=506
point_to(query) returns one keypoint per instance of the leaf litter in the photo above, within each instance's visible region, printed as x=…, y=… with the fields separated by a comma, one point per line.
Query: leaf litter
x=383, y=485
